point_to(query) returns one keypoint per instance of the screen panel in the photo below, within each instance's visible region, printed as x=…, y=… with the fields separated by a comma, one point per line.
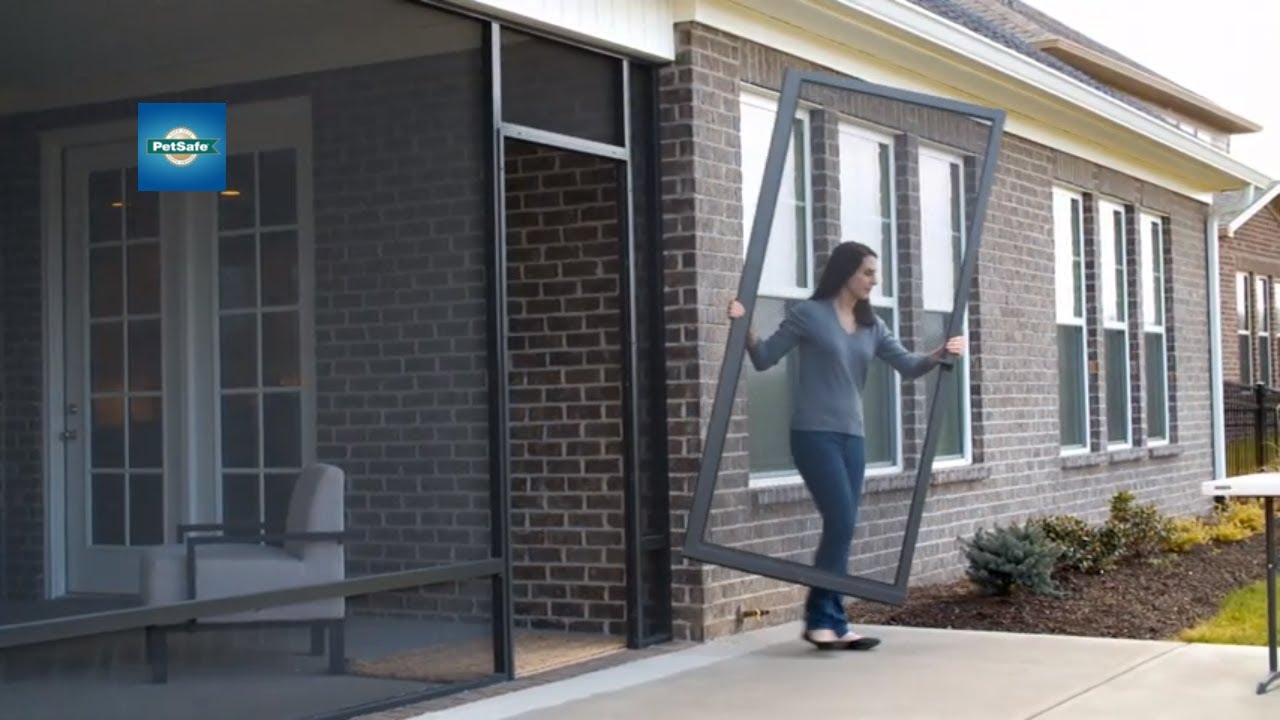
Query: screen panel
x=908, y=176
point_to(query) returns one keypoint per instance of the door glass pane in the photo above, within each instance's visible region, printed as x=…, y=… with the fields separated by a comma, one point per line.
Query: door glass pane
x=108, y=509
x=146, y=433
x=145, y=356
x=146, y=509
x=282, y=427
x=144, y=276
x=124, y=352
x=277, y=177
x=281, y=363
x=277, y=489
x=280, y=268
x=142, y=211
x=240, y=498
x=239, y=350
x=237, y=205
x=106, y=282
x=106, y=352
x=237, y=272
x=240, y=431
x=106, y=206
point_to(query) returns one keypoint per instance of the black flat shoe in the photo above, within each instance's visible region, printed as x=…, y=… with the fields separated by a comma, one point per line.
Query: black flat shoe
x=862, y=643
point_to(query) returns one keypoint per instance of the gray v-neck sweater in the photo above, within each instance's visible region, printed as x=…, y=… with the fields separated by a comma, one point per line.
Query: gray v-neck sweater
x=833, y=364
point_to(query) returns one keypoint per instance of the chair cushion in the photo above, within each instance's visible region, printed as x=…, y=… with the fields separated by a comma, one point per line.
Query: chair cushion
x=233, y=569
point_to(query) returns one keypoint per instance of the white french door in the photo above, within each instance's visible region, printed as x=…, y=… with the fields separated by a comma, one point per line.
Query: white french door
x=122, y=491
x=187, y=346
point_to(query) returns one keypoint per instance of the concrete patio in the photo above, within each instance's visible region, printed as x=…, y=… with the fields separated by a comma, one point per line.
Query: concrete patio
x=915, y=674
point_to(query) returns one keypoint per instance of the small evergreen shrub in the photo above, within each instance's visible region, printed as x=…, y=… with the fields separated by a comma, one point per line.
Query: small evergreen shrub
x=1085, y=549
x=1141, y=531
x=1017, y=556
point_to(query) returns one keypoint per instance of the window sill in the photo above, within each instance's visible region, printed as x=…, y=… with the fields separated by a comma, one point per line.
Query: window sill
x=1117, y=456
x=798, y=493
x=1167, y=450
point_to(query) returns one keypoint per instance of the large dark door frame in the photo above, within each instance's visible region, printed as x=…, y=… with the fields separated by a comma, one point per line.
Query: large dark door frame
x=696, y=545
x=638, y=543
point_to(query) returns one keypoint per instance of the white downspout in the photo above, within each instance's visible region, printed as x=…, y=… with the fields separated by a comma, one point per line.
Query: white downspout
x=1215, y=346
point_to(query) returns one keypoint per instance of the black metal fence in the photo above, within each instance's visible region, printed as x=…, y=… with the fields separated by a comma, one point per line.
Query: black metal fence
x=1252, y=428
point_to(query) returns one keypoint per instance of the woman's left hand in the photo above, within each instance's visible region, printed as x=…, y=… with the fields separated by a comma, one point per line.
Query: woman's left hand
x=955, y=346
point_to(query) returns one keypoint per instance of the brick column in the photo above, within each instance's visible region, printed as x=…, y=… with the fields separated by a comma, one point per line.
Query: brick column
x=910, y=288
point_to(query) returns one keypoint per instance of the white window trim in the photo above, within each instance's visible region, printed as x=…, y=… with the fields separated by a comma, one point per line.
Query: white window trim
x=1080, y=322
x=940, y=152
x=1146, y=218
x=1106, y=208
x=863, y=131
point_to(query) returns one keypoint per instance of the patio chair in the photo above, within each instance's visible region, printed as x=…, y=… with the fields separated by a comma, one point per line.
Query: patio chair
x=215, y=560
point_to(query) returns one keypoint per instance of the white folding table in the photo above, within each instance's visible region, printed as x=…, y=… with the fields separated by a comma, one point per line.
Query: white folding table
x=1266, y=486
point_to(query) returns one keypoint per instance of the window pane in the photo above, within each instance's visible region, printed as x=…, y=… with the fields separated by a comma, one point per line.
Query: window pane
x=240, y=499
x=1245, y=351
x=769, y=399
x=281, y=361
x=1072, y=407
x=787, y=238
x=282, y=430
x=238, y=348
x=880, y=402
x=1117, y=386
x=1264, y=360
x=939, y=269
x=1157, y=427
x=865, y=199
x=1077, y=259
x=1242, y=301
x=951, y=438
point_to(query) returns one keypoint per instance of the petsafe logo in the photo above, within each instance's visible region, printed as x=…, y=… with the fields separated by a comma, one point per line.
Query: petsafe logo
x=181, y=146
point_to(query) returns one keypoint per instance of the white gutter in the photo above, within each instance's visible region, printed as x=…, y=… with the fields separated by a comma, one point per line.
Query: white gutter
x=915, y=20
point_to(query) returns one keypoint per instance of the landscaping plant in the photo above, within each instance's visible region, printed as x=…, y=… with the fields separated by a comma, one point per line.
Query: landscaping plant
x=1016, y=556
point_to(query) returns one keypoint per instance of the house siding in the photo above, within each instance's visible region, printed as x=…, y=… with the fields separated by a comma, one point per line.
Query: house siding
x=1018, y=470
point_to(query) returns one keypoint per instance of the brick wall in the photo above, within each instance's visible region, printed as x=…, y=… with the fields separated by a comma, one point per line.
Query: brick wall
x=1014, y=385
x=21, y=364
x=1254, y=249
x=566, y=390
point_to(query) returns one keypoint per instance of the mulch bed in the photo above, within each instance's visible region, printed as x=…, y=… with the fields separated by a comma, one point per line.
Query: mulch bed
x=1144, y=599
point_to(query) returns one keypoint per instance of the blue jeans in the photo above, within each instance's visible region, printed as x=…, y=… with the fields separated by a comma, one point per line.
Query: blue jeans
x=833, y=466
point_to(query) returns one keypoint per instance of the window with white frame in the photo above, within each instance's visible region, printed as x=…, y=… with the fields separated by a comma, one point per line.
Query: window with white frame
x=867, y=216
x=787, y=276
x=1115, y=322
x=1262, y=327
x=1154, y=338
x=942, y=218
x=1073, y=387
x=1244, y=329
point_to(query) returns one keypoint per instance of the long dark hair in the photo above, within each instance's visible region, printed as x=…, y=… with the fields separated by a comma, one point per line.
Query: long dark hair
x=844, y=261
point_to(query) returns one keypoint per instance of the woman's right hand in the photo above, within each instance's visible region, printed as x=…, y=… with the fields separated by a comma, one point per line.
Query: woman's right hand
x=736, y=310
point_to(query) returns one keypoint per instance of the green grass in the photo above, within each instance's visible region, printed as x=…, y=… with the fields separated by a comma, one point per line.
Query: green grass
x=1241, y=621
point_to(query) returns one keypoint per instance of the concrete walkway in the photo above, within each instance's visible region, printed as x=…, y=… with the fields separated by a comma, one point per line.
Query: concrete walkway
x=915, y=674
